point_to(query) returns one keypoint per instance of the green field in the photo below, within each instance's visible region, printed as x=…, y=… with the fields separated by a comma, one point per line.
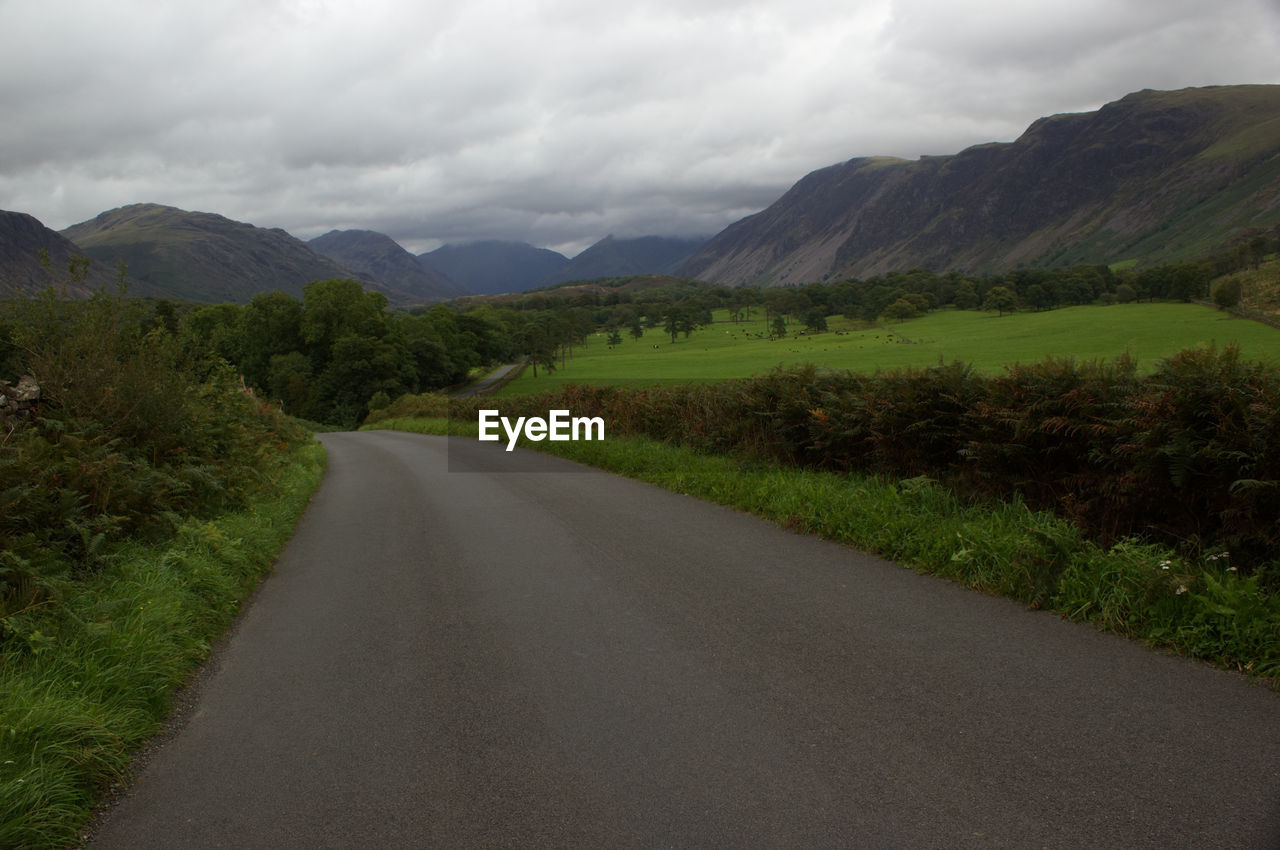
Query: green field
x=1147, y=332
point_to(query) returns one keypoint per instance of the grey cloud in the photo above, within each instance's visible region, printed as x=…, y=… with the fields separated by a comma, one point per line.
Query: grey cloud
x=555, y=122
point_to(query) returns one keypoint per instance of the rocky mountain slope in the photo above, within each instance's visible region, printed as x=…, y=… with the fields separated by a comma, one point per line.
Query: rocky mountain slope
x=492, y=267
x=205, y=257
x=1153, y=177
x=26, y=245
x=381, y=257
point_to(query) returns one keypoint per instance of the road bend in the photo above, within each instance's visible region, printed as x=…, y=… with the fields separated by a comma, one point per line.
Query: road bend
x=462, y=649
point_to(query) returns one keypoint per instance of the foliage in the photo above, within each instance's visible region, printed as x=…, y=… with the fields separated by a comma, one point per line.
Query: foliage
x=85, y=681
x=137, y=506
x=133, y=434
x=1226, y=292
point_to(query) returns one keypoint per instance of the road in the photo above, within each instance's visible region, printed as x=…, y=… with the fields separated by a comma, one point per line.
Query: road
x=485, y=385
x=556, y=657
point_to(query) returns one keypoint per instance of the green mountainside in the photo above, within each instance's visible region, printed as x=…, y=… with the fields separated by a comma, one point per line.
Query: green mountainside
x=1154, y=177
x=205, y=257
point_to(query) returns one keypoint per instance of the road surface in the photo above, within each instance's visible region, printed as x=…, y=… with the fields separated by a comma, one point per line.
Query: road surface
x=485, y=385
x=571, y=659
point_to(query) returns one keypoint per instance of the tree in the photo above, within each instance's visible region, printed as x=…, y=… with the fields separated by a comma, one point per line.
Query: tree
x=289, y=379
x=779, y=328
x=1000, y=299
x=672, y=323
x=270, y=325
x=1039, y=297
x=1190, y=281
x=815, y=319
x=1227, y=293
x=899, y=310
x=966, y=297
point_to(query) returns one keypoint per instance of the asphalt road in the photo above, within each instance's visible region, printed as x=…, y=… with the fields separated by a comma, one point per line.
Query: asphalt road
x=571, y=659
x=484, y=386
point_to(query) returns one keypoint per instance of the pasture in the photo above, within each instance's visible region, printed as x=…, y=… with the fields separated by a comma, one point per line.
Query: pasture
x=725, y=349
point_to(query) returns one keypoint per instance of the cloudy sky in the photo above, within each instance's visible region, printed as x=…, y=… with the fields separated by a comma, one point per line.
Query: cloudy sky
x=553, y=122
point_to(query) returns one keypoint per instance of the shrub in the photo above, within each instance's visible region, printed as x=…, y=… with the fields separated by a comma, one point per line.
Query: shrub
x=132, y=435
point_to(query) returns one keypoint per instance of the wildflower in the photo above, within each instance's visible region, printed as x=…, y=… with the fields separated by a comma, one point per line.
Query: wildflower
x=1164, y=565
x=1182, y=588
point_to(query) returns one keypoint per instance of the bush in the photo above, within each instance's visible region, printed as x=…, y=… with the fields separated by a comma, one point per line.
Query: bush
x=132, y=435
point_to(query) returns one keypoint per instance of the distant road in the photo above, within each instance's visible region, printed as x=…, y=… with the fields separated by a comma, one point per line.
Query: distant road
x=485, y=385
x=572, y=659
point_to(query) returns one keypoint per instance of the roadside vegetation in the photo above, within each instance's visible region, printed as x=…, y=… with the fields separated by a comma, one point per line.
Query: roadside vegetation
x=143, y=492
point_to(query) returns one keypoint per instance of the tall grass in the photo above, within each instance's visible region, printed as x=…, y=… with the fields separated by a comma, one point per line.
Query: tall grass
x=85, y=681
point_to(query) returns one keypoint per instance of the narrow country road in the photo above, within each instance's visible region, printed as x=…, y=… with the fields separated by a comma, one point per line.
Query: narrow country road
x=564, y=658
x=485, y=385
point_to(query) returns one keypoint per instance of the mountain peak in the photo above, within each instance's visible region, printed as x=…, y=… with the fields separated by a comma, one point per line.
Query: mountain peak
x=1156, y=176
x=381, y=257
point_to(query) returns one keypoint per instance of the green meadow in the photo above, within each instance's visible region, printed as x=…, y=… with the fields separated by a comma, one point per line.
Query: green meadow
x=725, y=349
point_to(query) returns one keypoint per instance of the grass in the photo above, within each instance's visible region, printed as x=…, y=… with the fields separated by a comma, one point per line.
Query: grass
x=1200, y=609
x=90, y=678
x=1147, y=332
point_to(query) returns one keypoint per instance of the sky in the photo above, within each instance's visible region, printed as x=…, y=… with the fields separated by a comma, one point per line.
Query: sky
x=553, y=122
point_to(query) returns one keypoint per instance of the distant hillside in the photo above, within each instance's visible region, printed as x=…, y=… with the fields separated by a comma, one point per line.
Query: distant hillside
x=205, y=257
x=612, y=257
x=381, y=258
x=493, y=267
x=1153, y=177
x=22, y=272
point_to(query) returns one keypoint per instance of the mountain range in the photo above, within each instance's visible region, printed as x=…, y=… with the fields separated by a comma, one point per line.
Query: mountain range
x=382, y=258
x=492, y=267
x=1153, y=177
x=200, y=256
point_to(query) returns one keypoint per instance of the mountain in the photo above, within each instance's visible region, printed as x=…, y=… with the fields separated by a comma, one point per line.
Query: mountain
x=1153, y=177
x=24, y=271
x=205, y=257
x=612, y=257
x=382, y=258
x=492, y=267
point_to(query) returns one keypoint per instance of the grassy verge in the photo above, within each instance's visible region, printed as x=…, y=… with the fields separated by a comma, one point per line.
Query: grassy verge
x=92, y=674
x=1200, y=609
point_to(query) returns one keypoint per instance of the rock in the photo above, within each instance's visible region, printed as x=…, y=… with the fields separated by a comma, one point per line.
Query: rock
x=27, y=390
x=20, y=401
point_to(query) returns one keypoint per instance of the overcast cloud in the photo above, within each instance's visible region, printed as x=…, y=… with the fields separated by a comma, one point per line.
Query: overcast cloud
x=553, y=122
